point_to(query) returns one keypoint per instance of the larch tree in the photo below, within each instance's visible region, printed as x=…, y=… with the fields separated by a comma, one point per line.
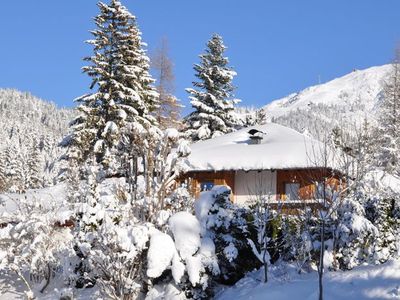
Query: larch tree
x=212, y=99
x=389, y=121
x=168, y=112
x=123, y=96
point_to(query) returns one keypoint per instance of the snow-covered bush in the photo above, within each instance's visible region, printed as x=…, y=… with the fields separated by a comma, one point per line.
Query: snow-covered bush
x=182, y=259
x=380, y=211
x=226, y=225
x=355, y=235
x=109, y=238
x=198, y=251
x=297, y=240
x=362, y=229
x=367, y=228
x=114, y=236
x=117, y=257
x=301, y=239
x=374, y=212
x=36, y=243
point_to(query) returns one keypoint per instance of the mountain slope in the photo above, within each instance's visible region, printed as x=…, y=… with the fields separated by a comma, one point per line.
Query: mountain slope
x=344, y=101
x=360, y=87
x=31, y=130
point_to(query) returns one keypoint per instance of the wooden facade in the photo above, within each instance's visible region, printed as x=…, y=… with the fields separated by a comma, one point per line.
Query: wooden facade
x=217, y=178
x=305, y=179
x=308, y=180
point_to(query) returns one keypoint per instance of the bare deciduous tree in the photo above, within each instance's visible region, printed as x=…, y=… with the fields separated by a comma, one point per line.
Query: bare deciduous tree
x=168, y=113
x=332, y=165
x=265, y=210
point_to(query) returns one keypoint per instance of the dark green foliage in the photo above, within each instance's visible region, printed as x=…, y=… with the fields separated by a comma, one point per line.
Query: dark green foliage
x=123, y=96
x=382, y=213
x=212, y=97
x=232, y=227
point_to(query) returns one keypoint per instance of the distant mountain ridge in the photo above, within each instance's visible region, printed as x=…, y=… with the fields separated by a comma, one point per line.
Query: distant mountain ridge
x=346, y=100
x=358, y=87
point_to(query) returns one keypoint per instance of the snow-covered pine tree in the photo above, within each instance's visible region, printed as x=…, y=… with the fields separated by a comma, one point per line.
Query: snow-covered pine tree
x=354, y=235
x=23, y=118
x=3, y=178
x=212, y=100
x=32, y=178
x=389, y=121
x=14, y=169
x=123, y=96
x=251, y=116
x=380, y=210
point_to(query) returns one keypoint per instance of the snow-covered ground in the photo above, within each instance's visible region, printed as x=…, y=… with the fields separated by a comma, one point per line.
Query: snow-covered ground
x=12, y=288
x=364, y=282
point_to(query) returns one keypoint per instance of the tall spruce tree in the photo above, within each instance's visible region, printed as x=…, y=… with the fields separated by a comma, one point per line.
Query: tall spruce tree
x=123, y=96
x=389, y=121
x=213, y=99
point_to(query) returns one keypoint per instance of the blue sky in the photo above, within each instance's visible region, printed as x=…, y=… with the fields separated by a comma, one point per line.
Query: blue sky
x=276, y=47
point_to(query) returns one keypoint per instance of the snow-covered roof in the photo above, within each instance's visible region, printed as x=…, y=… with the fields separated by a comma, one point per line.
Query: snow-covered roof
x=280, y=148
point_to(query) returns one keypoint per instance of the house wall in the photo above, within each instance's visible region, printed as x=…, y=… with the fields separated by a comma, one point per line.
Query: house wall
x=218, y=178
x=307, y=179
x=246, y=186
x=252, y=184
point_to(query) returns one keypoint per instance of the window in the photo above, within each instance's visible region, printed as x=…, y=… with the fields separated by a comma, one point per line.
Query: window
x=320, y=190
x=325, y=191
x=292, y=191
x=206, y=186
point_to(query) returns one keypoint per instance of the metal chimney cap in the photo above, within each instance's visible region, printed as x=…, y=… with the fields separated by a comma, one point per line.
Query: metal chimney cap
x=254, y=131
x=255, y=136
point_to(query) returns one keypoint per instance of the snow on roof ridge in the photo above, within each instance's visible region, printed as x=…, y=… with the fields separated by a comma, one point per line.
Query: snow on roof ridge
x=281, y=148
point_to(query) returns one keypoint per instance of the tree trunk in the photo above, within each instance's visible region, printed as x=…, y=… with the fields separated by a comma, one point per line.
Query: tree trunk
x=47, y=276
x=321, y=261
x=265, y=266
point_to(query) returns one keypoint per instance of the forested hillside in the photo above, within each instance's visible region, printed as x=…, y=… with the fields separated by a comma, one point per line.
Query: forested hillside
x=31, y=130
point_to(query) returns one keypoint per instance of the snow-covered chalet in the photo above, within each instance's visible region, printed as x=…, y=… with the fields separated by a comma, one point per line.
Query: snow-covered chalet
x=265, y=160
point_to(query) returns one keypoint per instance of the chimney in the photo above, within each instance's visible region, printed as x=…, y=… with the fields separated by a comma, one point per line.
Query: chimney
x=256, y=136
